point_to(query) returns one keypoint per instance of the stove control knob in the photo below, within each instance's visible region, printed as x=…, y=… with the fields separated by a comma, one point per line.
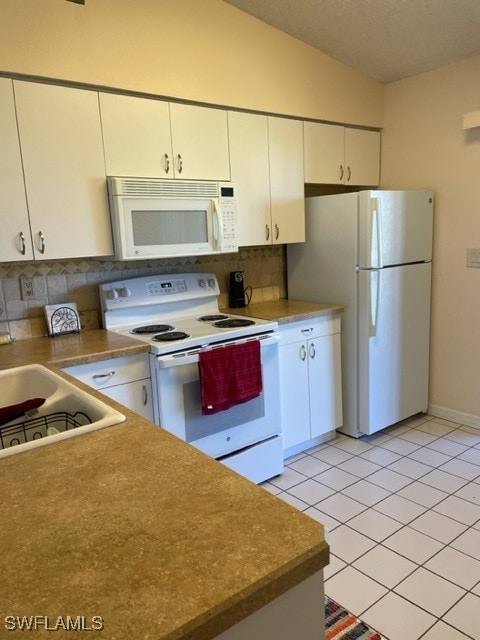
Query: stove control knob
x=124, y=292
x=112, y=294
x=211, y=283
x=202, y=283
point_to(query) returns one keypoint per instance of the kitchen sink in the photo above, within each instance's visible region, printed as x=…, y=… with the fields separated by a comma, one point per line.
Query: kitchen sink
x=67, y=411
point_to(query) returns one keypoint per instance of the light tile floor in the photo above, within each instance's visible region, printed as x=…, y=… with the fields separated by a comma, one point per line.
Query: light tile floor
x=402, y=512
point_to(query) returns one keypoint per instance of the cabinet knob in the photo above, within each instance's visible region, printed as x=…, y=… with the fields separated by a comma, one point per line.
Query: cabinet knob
x=179, y=163
x=302, y=353
x=267, y=232
x=277, y=231
x=341, y=172
x=101, y=377
x=349, y=174
x=312, y=350
x=167, y=163
x=144, y=395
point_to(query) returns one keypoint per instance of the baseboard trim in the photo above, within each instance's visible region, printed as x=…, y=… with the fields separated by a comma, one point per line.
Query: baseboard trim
x=453, y=415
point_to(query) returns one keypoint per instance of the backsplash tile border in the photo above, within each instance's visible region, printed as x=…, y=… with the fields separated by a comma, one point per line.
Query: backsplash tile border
x=77, y=280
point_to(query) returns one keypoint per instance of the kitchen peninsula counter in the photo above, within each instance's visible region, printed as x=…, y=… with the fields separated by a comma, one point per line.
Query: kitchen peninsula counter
x=134, y=526
x=285, y=311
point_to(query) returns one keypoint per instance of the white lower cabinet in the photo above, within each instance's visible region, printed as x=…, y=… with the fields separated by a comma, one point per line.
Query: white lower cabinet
x=126, y=380
x=310, y=382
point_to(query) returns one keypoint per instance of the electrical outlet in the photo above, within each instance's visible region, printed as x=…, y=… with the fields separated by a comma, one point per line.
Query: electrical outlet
x=27, y=286
x=473, y=257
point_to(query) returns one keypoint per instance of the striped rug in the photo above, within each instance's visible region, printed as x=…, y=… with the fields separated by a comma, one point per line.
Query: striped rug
x=342, y=625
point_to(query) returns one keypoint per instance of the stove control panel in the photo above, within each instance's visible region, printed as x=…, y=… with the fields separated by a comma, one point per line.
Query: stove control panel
x=158, y=289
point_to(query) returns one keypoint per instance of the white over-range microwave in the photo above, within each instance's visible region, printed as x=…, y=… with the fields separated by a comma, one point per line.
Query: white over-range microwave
x=155, y=218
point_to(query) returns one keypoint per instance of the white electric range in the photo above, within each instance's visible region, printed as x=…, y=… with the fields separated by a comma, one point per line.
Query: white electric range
x=178, y=315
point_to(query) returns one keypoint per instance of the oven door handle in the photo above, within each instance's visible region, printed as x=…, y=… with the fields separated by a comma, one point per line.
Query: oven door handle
x=191, y=357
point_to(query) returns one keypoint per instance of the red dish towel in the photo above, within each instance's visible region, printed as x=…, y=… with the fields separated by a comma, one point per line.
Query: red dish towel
x=13, y=411
x=230, y=375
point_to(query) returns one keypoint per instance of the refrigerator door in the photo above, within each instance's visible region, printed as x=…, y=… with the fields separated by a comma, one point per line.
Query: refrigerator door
x=393, y=339
x=394, y=227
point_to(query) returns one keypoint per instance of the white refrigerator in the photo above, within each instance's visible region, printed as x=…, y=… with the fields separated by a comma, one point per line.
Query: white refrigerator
x=372, y=252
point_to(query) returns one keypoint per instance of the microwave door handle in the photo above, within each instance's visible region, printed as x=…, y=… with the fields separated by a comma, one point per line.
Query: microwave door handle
x=217, y=225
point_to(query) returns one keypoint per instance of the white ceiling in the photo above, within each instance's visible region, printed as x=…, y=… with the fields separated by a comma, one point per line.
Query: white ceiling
x=384, y=39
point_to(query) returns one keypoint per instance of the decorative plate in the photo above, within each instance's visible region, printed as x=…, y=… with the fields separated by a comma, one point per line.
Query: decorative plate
x=62, y=318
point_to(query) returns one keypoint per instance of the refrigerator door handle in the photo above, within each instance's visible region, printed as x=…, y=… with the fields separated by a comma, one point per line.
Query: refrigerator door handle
x=375, y=293
x=375, y=235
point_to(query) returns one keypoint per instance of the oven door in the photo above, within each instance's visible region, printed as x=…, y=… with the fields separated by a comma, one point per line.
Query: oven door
x=178, y=408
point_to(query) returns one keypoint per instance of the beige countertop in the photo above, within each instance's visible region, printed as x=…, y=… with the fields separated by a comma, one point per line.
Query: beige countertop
x=133, y=525
x=285, y=311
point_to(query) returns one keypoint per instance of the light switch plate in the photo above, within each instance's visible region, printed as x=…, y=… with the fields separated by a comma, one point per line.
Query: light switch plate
x=473, y=257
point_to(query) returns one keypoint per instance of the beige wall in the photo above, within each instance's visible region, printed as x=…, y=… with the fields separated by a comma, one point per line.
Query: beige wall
x=201, y=50
x=423, y=145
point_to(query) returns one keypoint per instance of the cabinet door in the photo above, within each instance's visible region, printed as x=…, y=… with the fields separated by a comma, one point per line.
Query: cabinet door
x=200, y=142
x=324, y=369
x=15, y=239
x=324, y=153
x=248, y=137
x=362, y=157
x=136, y=136
x=287, y=192
x=61, y=142
x=136, y=395
x=294, y=393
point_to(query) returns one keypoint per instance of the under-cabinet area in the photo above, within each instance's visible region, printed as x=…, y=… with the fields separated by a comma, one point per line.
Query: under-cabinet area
x=310, y=382
x=126, y=380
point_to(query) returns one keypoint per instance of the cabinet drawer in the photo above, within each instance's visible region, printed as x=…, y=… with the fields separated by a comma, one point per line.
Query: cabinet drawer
x=307, y=329
x=114, y=371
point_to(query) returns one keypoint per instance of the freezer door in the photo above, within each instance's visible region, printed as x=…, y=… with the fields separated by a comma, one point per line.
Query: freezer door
x=393, y=336
x=395, y=227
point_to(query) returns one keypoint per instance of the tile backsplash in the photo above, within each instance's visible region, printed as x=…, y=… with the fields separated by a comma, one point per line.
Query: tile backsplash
x=77, y=281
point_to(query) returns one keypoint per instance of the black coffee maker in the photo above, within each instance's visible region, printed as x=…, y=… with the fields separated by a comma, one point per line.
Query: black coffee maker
x=236, y=290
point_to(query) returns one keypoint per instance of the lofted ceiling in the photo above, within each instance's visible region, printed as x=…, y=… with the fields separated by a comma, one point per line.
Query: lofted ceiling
x=385, y=39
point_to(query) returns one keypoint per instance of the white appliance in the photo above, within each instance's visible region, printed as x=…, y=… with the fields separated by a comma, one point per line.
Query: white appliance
x=177, y=315
x=153, y=218
x=371, y=251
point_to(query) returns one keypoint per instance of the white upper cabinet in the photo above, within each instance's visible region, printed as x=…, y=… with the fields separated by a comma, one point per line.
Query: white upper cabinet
x=248, y=135
x=156, y=139
x=341, y=155
x=287, y=192
x=200, y=142
x=266, y=157
x=15, y=240
x=362, y=157
x=136, y=136
x=61, y=145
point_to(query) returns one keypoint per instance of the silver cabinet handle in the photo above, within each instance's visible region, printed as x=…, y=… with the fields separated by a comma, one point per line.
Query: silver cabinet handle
x=302, y=353
x=311, y=350
x=307, y=331
x=167, y=163
x=103, y=376
x=341, y=172
x=22, y=243
x=144, y=395
x=277, y=231
x=349, y=174
x=267, y=232
x=42, y=242
x=179, y=163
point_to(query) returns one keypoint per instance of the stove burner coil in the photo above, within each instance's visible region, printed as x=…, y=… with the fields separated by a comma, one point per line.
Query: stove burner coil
x=233, y=323
x=213, y=318
x=152, y=328
x=170, y=336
